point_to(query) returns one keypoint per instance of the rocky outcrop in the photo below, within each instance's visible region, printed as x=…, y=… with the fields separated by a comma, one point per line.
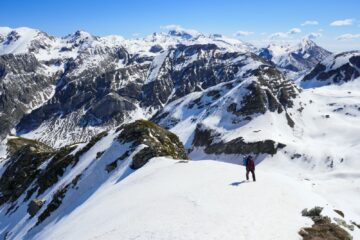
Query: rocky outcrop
x=22, y=168
x=211, y=142
x=158, y=142
x=34, y=206
x=323, y=228
x=23, y=172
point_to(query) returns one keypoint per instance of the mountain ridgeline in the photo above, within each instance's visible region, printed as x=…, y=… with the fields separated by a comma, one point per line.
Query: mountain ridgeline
x=82, y=85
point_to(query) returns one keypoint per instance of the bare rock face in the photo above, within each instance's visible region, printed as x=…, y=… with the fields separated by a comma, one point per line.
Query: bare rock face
x=24, y=84
x=207, y=139
x=34, y=206
x=159, y=142
x=22, y=168
x=323, y=228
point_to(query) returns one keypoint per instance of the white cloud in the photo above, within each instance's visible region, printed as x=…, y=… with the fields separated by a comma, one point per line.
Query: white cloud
x=313, y=36
x=179, y=28
x=310, y=22
x=243, y=33
x=285, y=34
x=279, y=35
x=294, y=31
x=172, y=27
x=344, y=22
x=348, y=36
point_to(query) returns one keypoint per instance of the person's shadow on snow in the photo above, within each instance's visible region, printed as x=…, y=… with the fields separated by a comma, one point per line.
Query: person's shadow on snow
x=235, y=184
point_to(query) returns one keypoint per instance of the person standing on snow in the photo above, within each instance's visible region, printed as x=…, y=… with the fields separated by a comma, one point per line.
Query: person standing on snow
x=250, y=167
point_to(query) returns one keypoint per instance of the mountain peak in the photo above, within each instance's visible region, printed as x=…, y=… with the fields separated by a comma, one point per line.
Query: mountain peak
x=307, y=43
x=79, y=35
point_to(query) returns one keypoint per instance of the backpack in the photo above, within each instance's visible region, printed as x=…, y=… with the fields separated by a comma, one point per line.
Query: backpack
x=245, y=161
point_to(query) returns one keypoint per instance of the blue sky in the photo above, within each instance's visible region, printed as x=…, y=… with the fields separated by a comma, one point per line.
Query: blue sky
x=255, y=21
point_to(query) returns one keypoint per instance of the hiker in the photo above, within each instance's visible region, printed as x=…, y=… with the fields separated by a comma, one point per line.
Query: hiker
x=250, y=167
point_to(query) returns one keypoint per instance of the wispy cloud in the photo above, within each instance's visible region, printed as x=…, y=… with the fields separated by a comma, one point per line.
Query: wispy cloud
x=171, y=27
x=285, y=34
x=344, y=22
x=348, y=36
x=279, y=35
x=314, y=35
x=179, y=28
x=294, y=31
x=243, y=33
x=310, y=22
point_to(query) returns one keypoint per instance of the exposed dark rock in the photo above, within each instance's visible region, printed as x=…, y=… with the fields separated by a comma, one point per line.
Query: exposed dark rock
x=111, y=166
x=205, y=137
x=53, y=205
x=357, y=225
x=22, y=168
x=156, y=49
x=159, y=142
x=314, y=212
x=322, y=229
x=99, y=154
x=23, y=83
x=343, y=223
x=34, y=206
x=14, y=144
x=60, y=161
x=339, y=212
x=211, y=67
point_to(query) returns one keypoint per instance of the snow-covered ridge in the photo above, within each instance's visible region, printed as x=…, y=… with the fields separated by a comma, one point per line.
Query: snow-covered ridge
x=296, y=59
x=23, y=40
x=335, y=69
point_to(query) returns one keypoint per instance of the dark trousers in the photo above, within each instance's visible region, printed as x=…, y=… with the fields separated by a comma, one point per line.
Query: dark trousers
x=252, y=173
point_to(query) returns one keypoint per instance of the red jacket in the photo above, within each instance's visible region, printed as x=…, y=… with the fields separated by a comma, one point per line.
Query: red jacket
x=250, y=165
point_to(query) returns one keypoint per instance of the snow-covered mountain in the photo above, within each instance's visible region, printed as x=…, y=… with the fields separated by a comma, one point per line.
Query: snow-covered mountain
x=79, y=156
x=79, y=65
x=335, y=69
x=295, y=59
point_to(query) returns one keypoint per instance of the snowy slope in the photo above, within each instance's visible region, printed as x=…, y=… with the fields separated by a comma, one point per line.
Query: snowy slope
x=197, y=200
x=322, y=138
x=66, y=178
x=24, y=40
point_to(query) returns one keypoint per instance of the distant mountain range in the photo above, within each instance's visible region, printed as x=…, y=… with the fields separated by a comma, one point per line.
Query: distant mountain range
x=83, y=81
x=80, y=114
